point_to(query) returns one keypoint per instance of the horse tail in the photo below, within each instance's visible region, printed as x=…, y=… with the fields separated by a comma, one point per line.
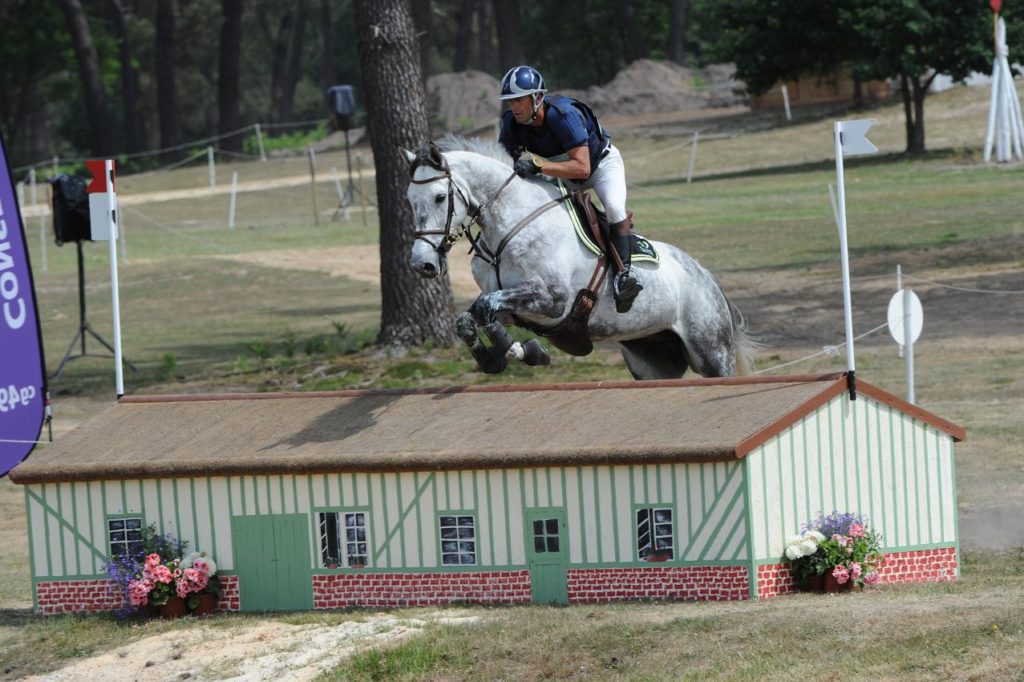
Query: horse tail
x=746, y=344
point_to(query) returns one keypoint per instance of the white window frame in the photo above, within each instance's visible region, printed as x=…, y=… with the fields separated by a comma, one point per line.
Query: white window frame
x=347, y=555
x=125, y=542
x=651, y=547
x=461, y=538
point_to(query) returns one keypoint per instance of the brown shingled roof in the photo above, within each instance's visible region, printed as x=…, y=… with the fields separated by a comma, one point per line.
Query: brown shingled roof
x=434, y=429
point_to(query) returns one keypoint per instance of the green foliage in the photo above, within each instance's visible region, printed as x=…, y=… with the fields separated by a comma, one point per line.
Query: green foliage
x=168, y=367
x=293, y=141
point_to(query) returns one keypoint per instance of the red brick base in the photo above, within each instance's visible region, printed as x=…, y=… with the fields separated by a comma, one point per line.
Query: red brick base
x=679, y=583
x=84, y=596
x=76, y=596
x=925, y=565
x=340, y=590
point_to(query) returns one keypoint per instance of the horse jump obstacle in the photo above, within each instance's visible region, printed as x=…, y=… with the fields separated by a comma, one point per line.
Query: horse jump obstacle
x=495, y=495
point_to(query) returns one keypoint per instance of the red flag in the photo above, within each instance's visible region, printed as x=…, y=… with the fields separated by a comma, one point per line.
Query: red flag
x=996, y=5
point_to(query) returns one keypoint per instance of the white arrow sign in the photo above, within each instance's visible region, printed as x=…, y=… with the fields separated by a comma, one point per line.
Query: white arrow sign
x=852, y=137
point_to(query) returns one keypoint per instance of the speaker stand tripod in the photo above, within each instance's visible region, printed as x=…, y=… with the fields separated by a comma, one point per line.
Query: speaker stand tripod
x=84, y=328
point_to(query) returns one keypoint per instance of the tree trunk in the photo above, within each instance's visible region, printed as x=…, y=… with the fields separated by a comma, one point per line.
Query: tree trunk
x=132, y=123
x=908, y=111
x=920, y=90
x=325, y=48
x=463, y=35
x=485, y=37
x=636, y=44
x=89, y=72
x=166, y=74
x=509, y=22
x=229, y=91
x=278, y=61
x=293, y=72
x=676, y=32
x=414, y=311
x=423, y=20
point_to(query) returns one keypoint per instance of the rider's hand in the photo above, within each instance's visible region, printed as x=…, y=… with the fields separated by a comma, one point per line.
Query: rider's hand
x=527, y=168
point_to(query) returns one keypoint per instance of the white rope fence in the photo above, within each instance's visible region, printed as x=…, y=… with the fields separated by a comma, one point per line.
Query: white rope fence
x=830, y=351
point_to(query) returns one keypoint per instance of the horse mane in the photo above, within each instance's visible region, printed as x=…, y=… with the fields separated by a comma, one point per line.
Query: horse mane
x=489, y=148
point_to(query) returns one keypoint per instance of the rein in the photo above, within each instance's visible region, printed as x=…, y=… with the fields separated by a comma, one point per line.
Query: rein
x=450, y=236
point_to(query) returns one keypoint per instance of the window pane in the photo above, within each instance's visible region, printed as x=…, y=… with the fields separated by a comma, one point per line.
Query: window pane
x=538, y=544
x=115, y=524
x=552, y=526
x=449, y=546
x=466, y=521
x=449, y=533
x=553, y=544
x=663, y=516
x=449, y=559
x=538, y=527
x=468, y=559
x=117, y=536
x=467, y=546
x=447, y=521
x=133, y=524
x=466, y=533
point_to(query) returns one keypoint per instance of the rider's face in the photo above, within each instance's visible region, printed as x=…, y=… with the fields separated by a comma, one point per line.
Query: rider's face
x=522, y=108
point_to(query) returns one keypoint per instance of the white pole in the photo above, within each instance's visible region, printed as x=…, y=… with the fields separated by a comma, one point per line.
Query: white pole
x=908, y=343
x=212, y=168
x=992, y=102
x=785, y=103
x=32, y=187
x=234, y=195
x=21, y=196
x=851, y=365
x=312, y=183
x=899, y=286
x=693, y=156
x=115, y=299
x=259, y=143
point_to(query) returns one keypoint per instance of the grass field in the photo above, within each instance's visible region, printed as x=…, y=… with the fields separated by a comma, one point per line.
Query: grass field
x=199, y=315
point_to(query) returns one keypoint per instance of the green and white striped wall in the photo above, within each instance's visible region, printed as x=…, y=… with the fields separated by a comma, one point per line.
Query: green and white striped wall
x=67, y=521
x=864, y=457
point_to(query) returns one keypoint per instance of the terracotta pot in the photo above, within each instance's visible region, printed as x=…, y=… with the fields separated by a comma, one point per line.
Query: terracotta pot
x=207, y=604
x=832, y=585
x=176, y=607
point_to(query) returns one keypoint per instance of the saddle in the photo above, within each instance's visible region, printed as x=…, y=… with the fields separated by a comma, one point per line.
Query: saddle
x=570, y=334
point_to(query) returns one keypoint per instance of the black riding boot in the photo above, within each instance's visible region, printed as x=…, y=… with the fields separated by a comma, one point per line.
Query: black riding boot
x=627, y=285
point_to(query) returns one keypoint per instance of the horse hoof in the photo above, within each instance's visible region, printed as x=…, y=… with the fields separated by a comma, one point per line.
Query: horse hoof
x=535, y=354
x=493, y=364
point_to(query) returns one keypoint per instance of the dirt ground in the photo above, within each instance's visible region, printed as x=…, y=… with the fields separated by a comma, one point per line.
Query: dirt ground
x=256, y=652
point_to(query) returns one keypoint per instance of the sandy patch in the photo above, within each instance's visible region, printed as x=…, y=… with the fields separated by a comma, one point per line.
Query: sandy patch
x=263, y=651
x=361, y=263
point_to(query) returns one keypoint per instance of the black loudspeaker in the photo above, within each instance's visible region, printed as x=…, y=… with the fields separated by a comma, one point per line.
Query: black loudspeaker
x=341, y=101
x=70, y=209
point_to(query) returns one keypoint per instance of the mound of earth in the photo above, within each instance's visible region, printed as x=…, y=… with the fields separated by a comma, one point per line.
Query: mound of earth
x=647, y=86
x=468, y=101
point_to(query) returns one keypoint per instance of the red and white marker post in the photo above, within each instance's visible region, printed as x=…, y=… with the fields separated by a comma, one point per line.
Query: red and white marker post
x=103, y=225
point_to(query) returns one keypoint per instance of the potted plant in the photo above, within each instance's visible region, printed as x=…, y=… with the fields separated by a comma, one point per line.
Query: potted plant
x=147, y=575
x=835, y=553
x=199, y=584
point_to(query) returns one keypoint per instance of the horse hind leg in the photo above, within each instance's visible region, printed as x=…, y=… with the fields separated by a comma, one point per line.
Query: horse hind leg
x=659, y=356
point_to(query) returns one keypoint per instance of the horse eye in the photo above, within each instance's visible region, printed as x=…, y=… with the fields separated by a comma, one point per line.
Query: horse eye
x=439, y=198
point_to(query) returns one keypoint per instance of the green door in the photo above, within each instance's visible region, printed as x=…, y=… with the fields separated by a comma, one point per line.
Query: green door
x=547, y=555
x=272, y=562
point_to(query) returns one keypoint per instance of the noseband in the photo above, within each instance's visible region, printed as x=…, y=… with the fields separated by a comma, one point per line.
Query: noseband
x=438, y=162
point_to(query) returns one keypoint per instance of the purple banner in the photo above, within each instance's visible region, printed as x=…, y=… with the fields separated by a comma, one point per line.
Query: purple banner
x=22, y=371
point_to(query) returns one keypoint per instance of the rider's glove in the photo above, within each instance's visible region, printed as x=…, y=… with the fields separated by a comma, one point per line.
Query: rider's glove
x=525, y=169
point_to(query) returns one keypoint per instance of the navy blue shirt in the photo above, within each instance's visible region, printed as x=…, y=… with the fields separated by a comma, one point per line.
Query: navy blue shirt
x=567, y=124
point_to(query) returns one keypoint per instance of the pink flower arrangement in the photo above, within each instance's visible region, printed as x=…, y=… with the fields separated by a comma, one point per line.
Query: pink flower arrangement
x=848, y=551
x=155, y=583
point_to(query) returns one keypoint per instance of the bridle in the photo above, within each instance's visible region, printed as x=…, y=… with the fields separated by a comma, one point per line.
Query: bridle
x=449, y=236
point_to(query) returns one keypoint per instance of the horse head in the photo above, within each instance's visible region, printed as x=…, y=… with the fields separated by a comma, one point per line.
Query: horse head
x=440, y=207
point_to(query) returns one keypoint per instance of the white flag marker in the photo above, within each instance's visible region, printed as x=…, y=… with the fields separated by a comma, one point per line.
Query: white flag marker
x=849, y=141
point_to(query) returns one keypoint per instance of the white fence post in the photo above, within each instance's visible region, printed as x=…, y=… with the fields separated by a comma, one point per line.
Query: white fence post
x=259, y=143
x=234, y=194
x=693, y=156
x=211, y=166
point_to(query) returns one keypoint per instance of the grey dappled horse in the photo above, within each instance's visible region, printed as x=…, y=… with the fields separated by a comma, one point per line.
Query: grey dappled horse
x=530, y=266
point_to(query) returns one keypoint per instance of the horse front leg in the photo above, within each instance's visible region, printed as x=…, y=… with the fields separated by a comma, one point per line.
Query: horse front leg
x=489, y=360
x=534, y=297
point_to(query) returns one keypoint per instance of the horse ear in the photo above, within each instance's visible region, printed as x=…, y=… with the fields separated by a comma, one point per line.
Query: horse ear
x=435, y=155
x=410, y=156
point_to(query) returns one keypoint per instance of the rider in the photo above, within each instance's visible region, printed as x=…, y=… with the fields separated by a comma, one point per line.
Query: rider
x=549, y=126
